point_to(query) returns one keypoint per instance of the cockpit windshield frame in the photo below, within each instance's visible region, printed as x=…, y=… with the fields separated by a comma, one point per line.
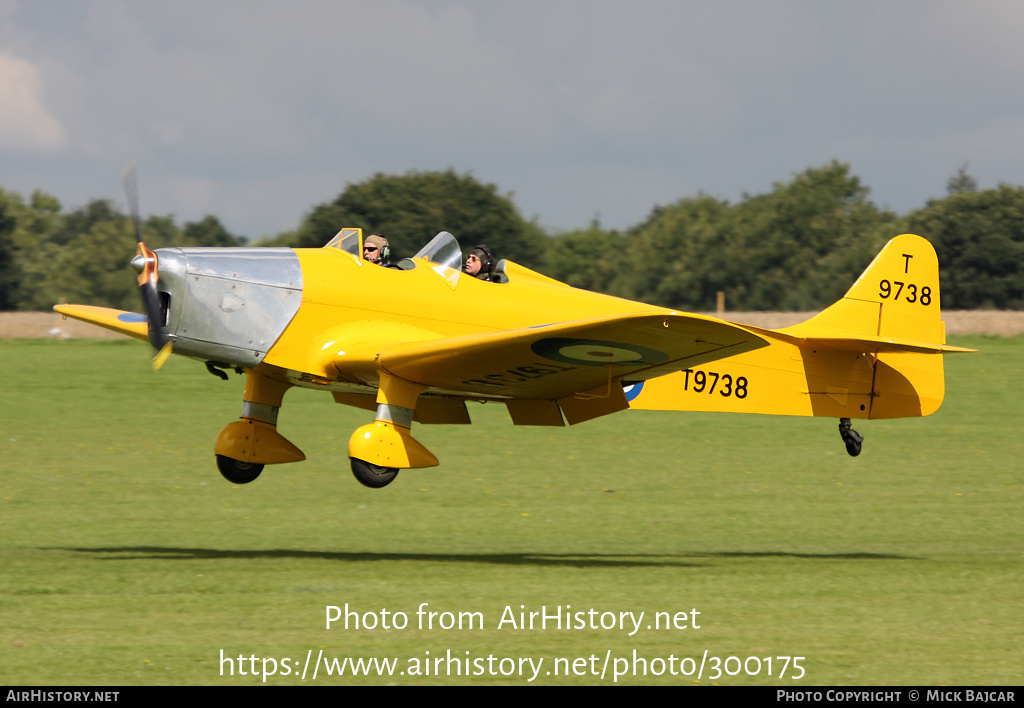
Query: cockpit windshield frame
x=349, y=241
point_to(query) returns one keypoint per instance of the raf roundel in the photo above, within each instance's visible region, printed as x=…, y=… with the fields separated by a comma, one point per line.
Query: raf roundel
x=593, y=352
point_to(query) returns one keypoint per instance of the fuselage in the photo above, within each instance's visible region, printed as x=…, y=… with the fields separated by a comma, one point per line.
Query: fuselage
x=281, y=309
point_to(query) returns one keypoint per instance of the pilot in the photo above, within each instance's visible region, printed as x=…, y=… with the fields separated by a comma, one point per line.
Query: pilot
x=480, y=263
x=376, y=250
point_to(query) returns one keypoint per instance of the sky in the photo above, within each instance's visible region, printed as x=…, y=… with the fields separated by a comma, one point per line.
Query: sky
x=256, y=111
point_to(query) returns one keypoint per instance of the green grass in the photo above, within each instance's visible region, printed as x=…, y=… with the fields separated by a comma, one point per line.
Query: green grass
x=126, y=559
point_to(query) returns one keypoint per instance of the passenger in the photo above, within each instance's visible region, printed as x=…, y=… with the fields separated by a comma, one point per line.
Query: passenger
x=376, y=250
x=480, y=263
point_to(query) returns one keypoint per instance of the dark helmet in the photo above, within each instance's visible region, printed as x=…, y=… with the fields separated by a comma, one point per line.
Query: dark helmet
x=486, y=258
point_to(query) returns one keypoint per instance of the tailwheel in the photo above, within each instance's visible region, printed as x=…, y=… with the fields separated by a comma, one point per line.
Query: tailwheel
x=851, y=437
x=238, y=472
x=373, y=476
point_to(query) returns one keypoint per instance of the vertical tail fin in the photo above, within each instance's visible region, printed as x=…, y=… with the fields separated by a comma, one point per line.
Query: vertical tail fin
x=897, y=296
x=894, y=311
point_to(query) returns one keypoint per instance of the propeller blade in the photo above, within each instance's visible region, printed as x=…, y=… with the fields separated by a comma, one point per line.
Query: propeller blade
x=145, y=265
x=161, y=356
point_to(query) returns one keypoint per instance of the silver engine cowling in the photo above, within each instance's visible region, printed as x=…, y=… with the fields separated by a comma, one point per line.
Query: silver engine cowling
x=227, y=305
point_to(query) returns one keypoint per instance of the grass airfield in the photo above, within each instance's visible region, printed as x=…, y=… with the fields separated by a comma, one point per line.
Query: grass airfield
x=126, y=559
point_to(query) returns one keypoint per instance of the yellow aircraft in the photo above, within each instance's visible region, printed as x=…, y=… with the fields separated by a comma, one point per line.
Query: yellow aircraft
x=415, y=341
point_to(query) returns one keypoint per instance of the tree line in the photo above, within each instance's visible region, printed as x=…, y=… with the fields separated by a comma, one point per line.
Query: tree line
x=798, y=246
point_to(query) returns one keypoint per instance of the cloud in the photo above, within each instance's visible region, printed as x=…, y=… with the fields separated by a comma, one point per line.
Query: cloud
x=25, y=121
x=255, y=110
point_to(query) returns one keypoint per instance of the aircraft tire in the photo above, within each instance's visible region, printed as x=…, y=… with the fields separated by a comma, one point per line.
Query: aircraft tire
x=373, y=476
x=851, y=437
x=238, y=472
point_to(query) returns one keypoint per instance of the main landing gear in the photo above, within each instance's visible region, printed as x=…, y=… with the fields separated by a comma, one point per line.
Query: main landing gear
x=382, y=448
x=851, y=437
x=377, y=450
x=245, y=446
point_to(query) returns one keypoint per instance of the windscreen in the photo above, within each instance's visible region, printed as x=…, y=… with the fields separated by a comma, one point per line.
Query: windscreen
x=444, y=250
x=349, y=241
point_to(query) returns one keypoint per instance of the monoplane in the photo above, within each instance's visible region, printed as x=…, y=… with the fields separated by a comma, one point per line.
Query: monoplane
x=414, y=343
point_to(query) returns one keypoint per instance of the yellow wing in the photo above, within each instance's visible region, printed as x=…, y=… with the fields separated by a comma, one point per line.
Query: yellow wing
x=129, y=323
x=558, y=360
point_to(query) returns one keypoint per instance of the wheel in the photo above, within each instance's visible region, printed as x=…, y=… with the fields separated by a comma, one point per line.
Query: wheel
x=851, y=437
x=853, y=441
x=238, y=472
x=373, y=476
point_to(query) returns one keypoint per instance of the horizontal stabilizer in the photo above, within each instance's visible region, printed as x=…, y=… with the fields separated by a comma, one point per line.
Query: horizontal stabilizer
x=862, y=343
x=879, y=345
